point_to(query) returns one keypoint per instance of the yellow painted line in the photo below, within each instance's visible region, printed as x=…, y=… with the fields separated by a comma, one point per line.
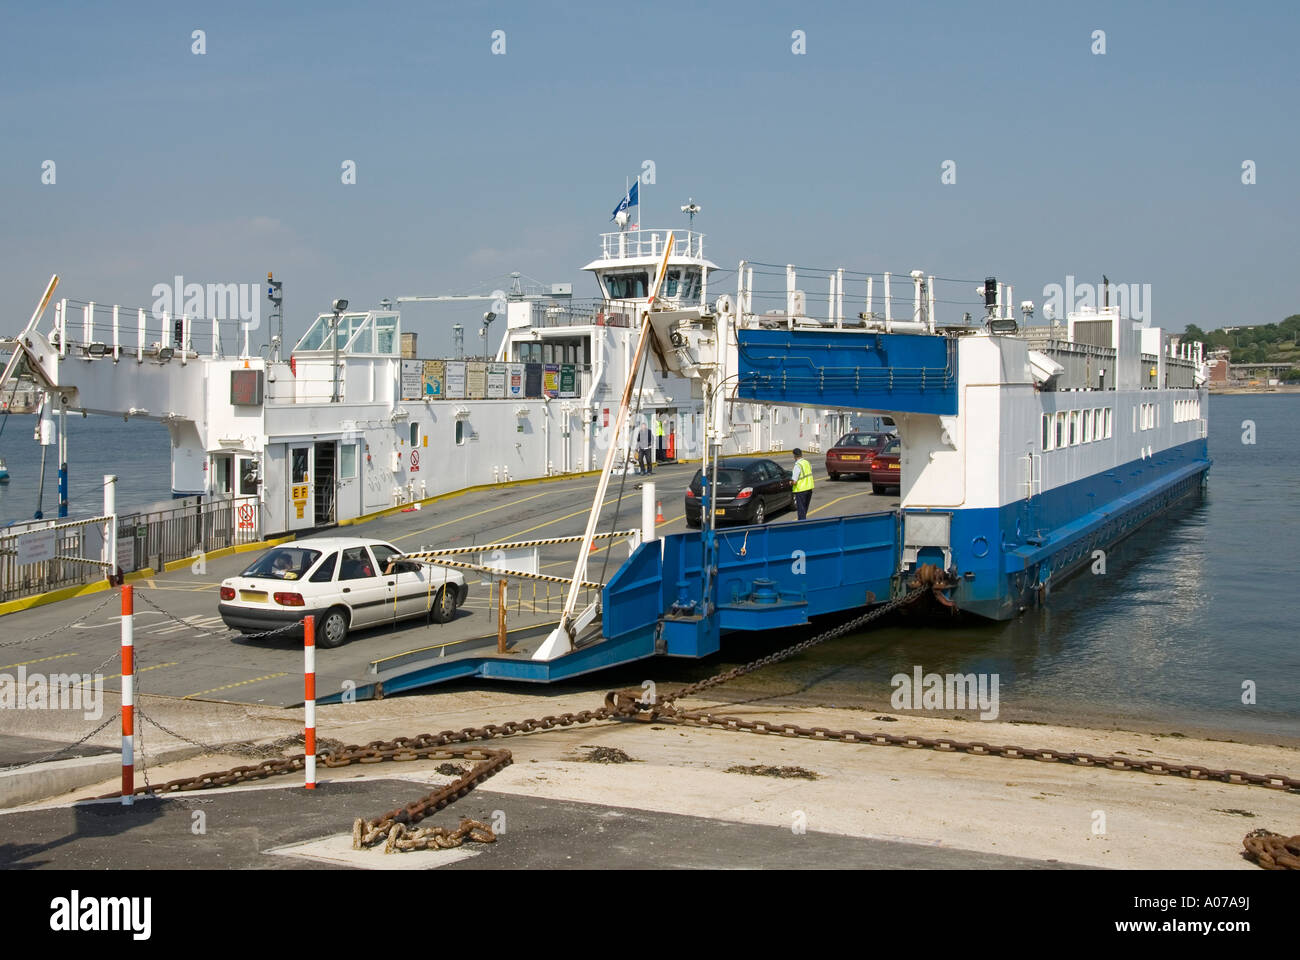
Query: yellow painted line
x=471, y=516
x=231, y=686
x=57, y=656
x=847, y=496
x=567, y=516
x=156, y=666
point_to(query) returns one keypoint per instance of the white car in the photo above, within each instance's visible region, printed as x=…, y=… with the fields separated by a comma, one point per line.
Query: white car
x=346, y=583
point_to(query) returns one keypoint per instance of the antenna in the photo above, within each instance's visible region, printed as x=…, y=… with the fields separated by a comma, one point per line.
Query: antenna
x=691, y=208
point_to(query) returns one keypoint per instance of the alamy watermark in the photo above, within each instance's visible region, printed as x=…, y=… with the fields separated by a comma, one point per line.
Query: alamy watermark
x=954, y=691
x=1132, y=300
x=209, y=301
x=58, y=691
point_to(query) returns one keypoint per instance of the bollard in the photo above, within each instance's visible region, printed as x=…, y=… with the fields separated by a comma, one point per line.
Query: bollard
x=128, y=697
x=309, y=699
x=648, y=512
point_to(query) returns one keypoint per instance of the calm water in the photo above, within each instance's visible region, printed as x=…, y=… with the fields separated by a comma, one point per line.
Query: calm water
x=139, y=452
x=1189, y=608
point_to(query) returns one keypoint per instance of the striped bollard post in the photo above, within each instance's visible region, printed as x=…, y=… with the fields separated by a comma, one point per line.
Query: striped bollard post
x=309, y=699
x=128, y=697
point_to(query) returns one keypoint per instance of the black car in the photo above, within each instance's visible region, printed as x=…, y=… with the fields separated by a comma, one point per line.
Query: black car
x=749, y=491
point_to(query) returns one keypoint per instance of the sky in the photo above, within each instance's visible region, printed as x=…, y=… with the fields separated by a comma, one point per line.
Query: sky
x=470, y=164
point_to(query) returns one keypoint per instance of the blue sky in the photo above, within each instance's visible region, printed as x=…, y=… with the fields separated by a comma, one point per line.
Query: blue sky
x=469, y=165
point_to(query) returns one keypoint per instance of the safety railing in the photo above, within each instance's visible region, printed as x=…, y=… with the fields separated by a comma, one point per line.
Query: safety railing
x=42, y=555
x=650, y=243
x=187, y=528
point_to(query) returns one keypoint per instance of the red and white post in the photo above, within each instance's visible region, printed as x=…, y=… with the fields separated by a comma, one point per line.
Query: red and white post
x=309, y=699
x=128, y=696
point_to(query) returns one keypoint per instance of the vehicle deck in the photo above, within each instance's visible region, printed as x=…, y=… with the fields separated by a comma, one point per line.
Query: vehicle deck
x=183, y=649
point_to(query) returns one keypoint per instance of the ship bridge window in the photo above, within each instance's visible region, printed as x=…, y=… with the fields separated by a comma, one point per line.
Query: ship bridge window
x=627, y=286
x=681, y=284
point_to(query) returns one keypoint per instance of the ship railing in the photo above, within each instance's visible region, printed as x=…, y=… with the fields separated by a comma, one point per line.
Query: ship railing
x=92, y=330
x=625, y=244
x=311, y=383
x=70, y=553
x=583, y=313
x=189, y=527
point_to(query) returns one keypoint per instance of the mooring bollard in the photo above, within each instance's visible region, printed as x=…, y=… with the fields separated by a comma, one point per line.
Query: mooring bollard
x=128, y=696
x=309, y=699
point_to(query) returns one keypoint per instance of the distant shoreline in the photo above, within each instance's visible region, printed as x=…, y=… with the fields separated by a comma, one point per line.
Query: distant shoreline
x=1252, y=391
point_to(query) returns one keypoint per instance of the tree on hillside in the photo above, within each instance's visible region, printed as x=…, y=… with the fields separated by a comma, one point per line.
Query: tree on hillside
x=1193, y=332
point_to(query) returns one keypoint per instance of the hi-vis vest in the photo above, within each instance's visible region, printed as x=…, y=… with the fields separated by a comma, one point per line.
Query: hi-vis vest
x=805, y=481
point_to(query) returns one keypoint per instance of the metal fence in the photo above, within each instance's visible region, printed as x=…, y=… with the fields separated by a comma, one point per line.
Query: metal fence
x=151, y=537
x=74, y=548
x=186, y=528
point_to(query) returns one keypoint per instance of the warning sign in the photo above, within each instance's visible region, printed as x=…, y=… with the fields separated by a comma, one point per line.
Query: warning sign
x=245, y=516
x=415, y=461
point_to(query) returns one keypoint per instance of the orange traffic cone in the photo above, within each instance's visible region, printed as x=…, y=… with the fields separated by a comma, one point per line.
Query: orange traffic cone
x=593, y=547
x=659, y=515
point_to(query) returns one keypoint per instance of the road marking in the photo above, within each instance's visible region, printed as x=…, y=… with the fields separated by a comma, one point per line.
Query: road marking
x=139, y=670
x=847, y=496
x=567, y=516
x=471, y=516
x=231, y=686
x=57, y=656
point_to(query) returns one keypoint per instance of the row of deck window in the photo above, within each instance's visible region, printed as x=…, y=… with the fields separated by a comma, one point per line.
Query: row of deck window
x=1069, y=428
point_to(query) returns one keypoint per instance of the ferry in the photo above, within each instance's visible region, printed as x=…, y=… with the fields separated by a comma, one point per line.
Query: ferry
x=1025, y=447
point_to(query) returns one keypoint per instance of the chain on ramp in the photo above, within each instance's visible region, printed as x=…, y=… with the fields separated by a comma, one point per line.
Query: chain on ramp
x=396, y=827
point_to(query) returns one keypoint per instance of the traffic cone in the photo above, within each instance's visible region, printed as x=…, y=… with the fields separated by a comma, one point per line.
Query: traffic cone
x=659, y=508
x=593, y=547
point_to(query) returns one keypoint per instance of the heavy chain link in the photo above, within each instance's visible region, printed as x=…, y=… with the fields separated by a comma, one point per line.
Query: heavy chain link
x=1272, y=851
x=396, y=826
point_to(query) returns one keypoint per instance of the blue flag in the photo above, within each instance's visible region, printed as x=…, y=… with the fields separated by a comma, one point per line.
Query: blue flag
x=629, y=200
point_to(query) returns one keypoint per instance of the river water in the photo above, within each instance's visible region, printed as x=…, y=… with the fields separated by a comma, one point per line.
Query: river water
x=1191, y=608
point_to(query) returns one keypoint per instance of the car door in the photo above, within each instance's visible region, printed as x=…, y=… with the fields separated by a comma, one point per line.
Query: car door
x=781, y=485
x=361, y=588
x=413, y=584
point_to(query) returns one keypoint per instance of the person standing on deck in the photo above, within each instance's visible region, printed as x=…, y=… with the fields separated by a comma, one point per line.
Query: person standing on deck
x=643, y=445
x=803, y=483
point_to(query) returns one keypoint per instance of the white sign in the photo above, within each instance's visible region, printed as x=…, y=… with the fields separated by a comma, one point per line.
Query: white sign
x=126, y=554
x=36, y=547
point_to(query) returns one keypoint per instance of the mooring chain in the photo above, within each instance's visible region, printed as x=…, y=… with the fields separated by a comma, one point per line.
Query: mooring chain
x=396, y=828
x=1272, y=851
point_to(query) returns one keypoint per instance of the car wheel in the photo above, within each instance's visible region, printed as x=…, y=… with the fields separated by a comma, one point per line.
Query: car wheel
x=832, y=475
x=333, y=629
x=877, y=488
x=760, y=514
x=444, y=606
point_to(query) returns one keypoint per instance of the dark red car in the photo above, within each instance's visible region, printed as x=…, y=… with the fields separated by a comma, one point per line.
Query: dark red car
x=885, y=469
x=853, y=452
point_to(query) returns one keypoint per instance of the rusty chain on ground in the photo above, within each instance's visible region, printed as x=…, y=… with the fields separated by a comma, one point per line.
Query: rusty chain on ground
x=1272, y=851
x=396, y=827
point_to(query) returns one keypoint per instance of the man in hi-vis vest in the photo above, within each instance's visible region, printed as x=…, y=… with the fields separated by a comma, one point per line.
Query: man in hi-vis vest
x=803, y=483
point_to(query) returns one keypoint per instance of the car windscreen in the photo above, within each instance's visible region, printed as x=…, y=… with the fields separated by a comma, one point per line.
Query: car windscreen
x=284, y=563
